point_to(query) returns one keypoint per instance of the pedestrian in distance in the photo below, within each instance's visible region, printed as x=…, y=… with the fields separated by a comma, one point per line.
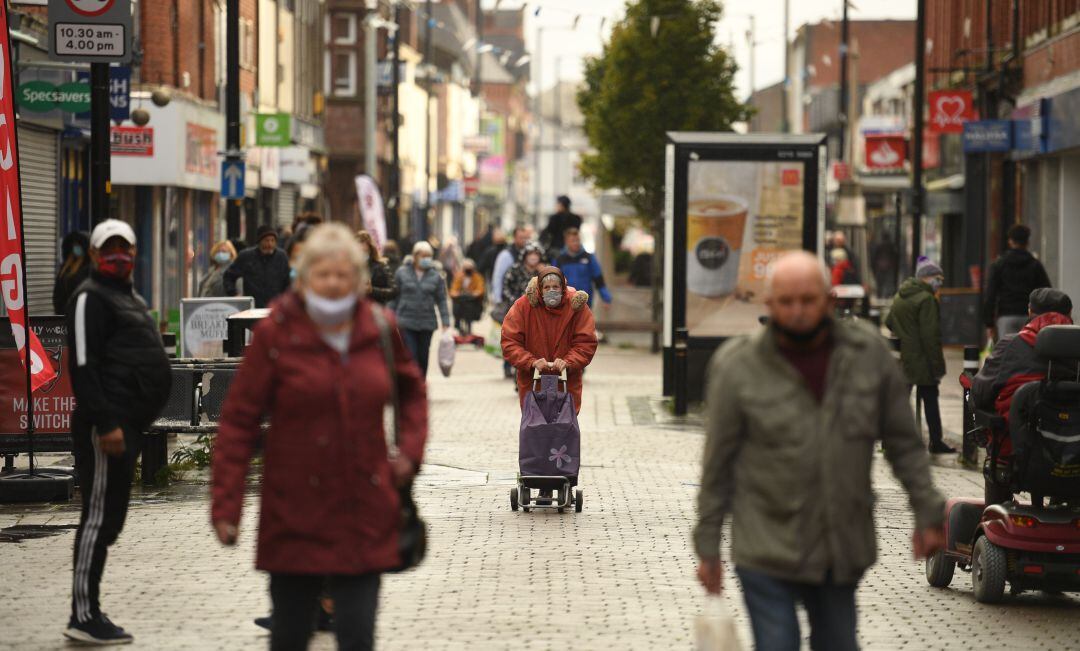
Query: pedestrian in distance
x=885, y=261
x=383, y=289
x=581, y=268
x=551, y=238
x=517, y=278
x=391, y=251
x=507, y=258
x=264, y=269
x=1010, y=281
x=222, y=255
x=915, y=319
x=121, y=378
x=550, y=329
x=74, y=269
x=421, y=293
x=485, y=262
x=330, y=505
x=792, y=415
x=843, y=272
x=467, y=292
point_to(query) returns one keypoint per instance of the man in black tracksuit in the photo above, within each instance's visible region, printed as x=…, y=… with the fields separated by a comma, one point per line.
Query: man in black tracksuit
x=264, y=268
x=120, y=376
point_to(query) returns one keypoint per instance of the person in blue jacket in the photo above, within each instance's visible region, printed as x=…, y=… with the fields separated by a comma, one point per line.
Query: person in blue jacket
x=581, y=268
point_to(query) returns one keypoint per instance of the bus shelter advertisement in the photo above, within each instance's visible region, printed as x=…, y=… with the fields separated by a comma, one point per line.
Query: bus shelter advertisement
x=741, y=215
x=54, y=402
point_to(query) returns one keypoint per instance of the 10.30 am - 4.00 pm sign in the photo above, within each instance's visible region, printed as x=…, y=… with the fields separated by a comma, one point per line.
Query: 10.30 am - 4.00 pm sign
x=90, y=30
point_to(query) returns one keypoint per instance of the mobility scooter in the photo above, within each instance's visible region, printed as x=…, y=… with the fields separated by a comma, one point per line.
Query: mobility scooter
x=1033, y=546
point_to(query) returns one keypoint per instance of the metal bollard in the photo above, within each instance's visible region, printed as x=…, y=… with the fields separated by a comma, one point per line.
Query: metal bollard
x=970, y=451
x=681, y=337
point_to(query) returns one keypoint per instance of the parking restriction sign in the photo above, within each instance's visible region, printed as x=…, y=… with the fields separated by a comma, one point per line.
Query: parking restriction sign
x=96, y=31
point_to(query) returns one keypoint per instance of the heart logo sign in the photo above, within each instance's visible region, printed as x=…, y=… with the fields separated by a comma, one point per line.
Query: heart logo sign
x=949, y=110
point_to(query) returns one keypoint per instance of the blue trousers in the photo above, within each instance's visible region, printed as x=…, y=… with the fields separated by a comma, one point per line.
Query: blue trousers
x=419, y=344
x=771, y=603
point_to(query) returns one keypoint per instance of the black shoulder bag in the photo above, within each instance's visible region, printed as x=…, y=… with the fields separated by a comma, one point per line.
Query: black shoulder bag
x=412, y=539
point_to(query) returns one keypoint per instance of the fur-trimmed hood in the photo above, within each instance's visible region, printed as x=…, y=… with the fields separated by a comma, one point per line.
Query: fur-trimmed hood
x=578, y=299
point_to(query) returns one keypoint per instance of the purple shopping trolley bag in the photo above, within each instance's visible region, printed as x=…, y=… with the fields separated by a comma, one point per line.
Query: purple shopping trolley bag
x=550, y=439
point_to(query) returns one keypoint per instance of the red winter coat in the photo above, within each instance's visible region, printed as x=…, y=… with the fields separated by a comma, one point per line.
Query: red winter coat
x=533, y=331
x=328, y=501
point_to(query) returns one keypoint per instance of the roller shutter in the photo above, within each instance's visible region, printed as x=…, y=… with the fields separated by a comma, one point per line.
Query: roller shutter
x=286, y=204
x=38, y=164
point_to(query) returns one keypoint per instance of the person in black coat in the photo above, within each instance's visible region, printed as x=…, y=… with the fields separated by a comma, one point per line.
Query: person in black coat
x=264, y=269
x=383, y=286
x=552, y=237
x=74, y=269
x=1012, y=278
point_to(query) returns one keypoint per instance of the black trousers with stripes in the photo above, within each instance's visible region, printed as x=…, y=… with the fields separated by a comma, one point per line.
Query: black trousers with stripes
x=105, y=488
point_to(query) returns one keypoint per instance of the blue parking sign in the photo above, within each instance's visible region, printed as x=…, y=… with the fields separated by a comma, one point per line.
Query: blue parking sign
x=232, y=179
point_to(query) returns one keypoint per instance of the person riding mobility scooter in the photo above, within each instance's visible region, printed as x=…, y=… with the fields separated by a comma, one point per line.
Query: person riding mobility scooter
x=1032, y=546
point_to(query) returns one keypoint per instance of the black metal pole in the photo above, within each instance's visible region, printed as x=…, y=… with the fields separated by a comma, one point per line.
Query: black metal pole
x=681, y=397
x=100, y=136
x=845, y=27
x=917, y=137
x=232, y=107
x=393, y=226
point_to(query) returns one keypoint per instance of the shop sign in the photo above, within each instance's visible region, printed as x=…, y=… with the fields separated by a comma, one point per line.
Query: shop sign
x=132, y=141
x=950, y=109
x=885, y=152
x=480, y=144
x=204, y=324
x=987, y=136
x=42, y=97
x=273, y=130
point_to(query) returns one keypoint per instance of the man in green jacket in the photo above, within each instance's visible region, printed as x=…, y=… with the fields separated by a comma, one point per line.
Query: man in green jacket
x=792, y=415
x=915, y=318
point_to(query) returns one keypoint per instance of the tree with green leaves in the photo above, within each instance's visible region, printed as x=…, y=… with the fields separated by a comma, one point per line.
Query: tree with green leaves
x=661, y=71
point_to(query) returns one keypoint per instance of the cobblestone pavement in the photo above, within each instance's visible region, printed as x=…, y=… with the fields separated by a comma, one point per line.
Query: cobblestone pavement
x=618, y=576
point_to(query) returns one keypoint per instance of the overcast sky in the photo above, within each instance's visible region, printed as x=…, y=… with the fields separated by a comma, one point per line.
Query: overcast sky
x=566, y=47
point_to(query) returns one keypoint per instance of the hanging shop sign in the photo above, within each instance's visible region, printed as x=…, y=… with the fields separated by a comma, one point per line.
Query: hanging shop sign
x=950, y=109
x=885, y=152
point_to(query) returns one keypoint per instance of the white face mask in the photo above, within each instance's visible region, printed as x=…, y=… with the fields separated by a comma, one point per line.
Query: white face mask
x=552, y=298
x=329, y=311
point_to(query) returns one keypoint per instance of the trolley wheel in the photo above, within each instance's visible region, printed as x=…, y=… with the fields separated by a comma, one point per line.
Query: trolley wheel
x=525, y=495
x=578, y=500
x=513, y=499
x=525, y=509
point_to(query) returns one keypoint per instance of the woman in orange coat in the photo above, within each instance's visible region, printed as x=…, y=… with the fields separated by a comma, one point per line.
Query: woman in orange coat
x=550, y=329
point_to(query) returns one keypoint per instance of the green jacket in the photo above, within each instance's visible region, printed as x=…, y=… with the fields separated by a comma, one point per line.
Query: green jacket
x=915, y=318
x=795, y=475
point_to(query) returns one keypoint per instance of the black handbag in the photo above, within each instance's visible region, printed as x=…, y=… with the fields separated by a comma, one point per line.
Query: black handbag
x=412, y=538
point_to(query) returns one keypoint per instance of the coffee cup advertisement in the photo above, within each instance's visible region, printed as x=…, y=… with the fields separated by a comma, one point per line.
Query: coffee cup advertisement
x=741, y=216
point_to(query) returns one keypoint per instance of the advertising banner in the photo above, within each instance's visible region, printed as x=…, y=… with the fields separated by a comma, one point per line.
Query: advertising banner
x=54, y=401
x=204, y=325
x=12, y=264
x=741, y=215
x=371, y=208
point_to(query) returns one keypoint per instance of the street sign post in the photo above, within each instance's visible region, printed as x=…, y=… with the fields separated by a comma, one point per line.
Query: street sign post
x=232, y=179
x=90, y=30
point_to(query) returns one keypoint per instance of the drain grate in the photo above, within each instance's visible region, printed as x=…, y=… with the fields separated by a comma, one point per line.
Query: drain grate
x=21, y=532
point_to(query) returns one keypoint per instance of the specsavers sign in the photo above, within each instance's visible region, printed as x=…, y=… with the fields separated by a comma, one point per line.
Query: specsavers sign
x=42, y=97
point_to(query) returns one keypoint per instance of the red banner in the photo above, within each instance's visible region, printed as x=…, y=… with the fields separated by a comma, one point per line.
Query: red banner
x=949, y=110
x=885, y=152
x=12, y=282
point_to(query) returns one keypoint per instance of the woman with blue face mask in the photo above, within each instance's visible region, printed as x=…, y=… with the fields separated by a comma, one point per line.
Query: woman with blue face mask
x=421, y=291
x=221, y=256
x=74, y=268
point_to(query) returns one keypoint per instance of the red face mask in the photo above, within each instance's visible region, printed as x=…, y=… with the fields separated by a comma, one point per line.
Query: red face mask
x=116, y=265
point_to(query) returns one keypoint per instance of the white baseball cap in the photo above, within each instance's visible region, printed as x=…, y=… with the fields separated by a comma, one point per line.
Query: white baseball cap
x=108, y=229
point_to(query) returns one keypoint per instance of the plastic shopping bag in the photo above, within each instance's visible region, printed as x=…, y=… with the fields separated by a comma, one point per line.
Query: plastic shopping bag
x=715, y=630
x=447, y=349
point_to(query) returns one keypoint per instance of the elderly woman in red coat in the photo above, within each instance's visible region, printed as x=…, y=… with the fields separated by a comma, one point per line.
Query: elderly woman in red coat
x=330, y=508
x=550, y=329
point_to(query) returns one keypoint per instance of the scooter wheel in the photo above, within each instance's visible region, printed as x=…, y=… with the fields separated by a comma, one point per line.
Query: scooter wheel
x=989, y=567
x=939, y=570
x=513, y=499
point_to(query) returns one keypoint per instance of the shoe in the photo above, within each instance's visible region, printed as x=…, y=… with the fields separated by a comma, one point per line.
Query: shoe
x=97, y=632
x=941, y=448
x=264, y=622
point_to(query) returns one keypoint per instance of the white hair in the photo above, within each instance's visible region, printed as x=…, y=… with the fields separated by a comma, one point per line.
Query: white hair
x=422, y=248
x=329, y=240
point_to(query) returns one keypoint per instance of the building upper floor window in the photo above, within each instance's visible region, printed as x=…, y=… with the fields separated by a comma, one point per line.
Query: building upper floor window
x=342, y=71
x=343, y=29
